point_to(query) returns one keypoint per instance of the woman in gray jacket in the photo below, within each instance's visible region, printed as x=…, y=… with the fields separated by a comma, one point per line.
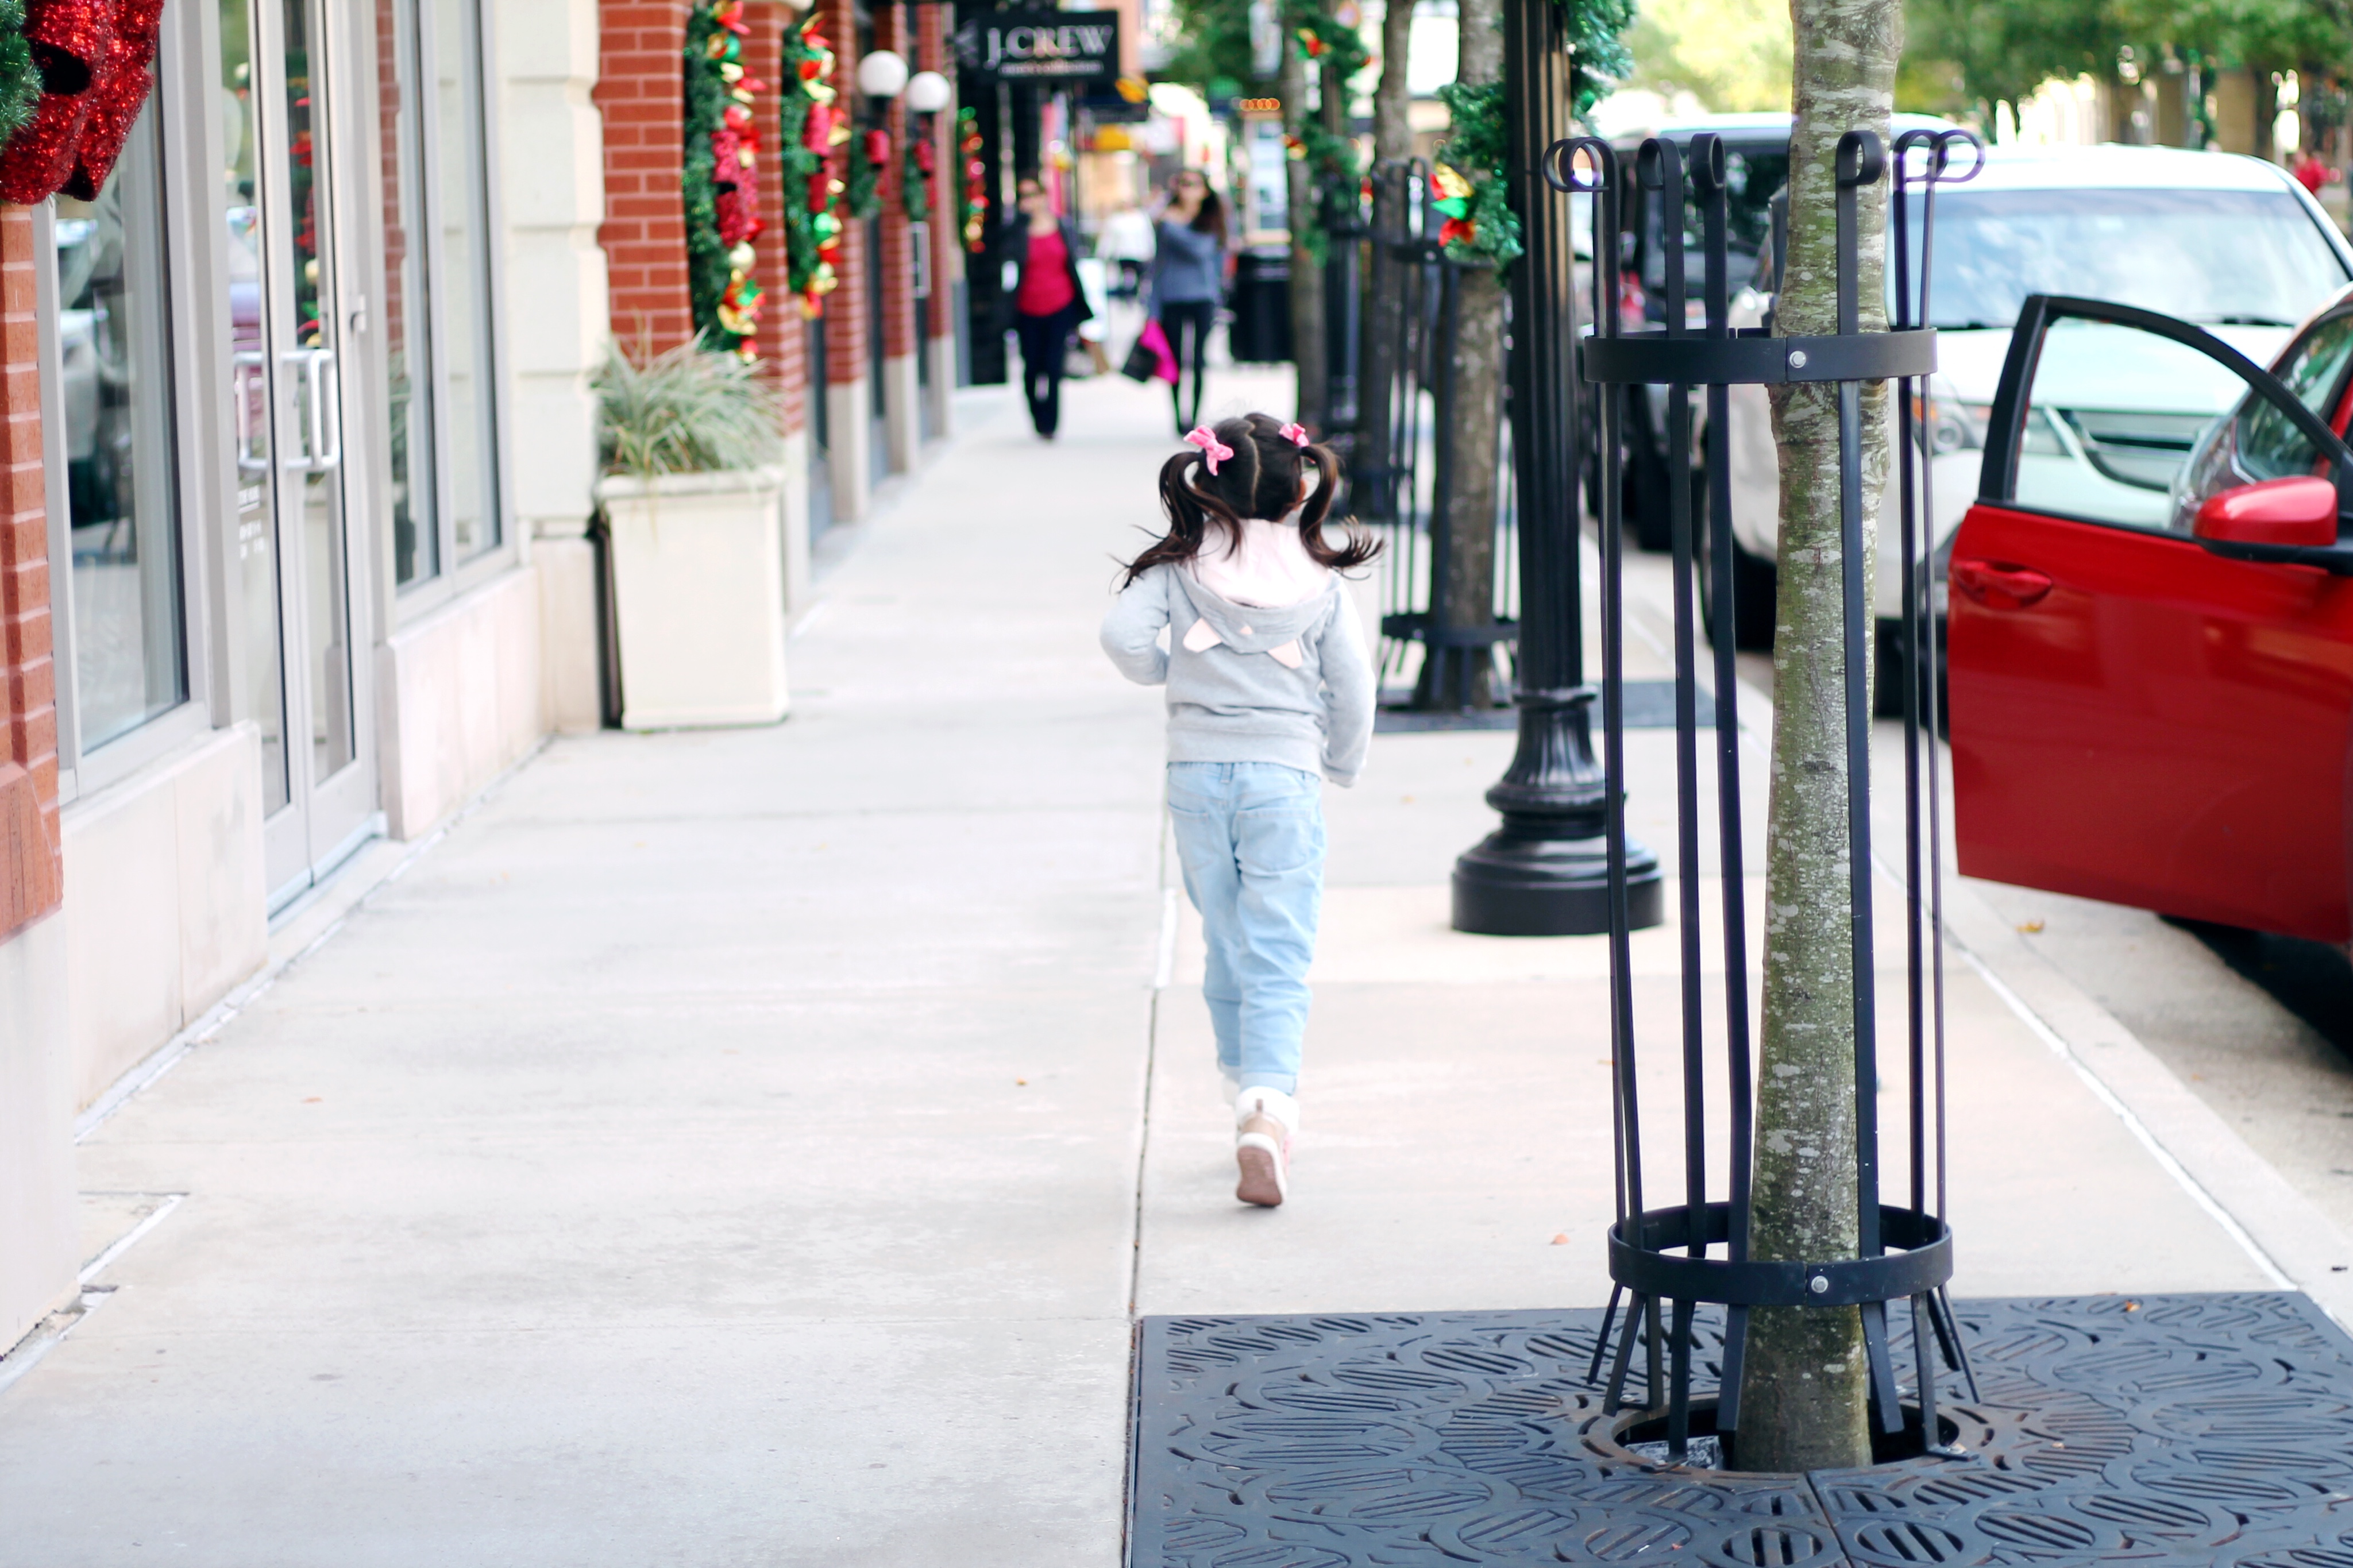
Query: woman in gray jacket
x=1188, y=279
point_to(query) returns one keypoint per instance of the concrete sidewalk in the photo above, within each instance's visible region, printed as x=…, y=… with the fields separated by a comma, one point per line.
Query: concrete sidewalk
x=752, y=1148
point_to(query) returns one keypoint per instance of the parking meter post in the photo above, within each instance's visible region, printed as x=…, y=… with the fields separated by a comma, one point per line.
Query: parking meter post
x=1546, y=869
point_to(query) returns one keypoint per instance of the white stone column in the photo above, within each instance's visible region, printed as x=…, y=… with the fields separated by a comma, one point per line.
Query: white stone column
x=551, y=156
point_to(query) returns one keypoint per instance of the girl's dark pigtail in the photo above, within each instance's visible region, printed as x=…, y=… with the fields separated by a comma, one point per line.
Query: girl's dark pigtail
x=1360, y=546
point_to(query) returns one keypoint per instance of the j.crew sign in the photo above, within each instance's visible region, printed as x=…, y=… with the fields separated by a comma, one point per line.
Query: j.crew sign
x=1043, y=46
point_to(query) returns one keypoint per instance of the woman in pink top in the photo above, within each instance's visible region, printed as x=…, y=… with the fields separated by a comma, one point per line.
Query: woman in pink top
x=1049, y=304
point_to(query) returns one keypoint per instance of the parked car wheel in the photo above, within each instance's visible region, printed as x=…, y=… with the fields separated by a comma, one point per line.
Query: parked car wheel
x=1754, y=582
x=1644, y=494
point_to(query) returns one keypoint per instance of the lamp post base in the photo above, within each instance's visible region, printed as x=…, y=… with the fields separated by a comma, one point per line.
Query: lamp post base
x=1545, y=871
x=1520, y=881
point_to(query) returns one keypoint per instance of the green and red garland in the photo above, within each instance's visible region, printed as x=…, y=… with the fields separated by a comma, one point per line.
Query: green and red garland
x=1326, y=41
x=73, y=77
x=813, y=123
x=720, y=179
x=972, y=220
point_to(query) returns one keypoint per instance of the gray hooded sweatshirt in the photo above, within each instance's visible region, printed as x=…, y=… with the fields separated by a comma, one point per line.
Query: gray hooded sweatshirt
x=1292, y=685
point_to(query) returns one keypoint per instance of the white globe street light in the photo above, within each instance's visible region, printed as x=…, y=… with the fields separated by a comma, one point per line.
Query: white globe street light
x=881, y=74
x=928, y=92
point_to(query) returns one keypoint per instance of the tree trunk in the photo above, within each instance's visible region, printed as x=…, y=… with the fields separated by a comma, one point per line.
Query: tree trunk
x=1382, y=322
x=1306, y=271
x=1804, y=1389
x=1471, y=419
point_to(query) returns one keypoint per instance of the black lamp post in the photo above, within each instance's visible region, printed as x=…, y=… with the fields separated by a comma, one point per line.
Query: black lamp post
x=1544, y=871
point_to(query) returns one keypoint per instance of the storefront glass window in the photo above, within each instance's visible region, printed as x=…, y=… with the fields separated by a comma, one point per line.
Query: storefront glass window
x=469, y=435
x=130, y=659
x=249, y=389
x=437, y=321
x=416, y=532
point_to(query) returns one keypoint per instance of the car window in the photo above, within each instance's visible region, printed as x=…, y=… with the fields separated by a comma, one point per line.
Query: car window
x=2116, y=416
x=2244, y=257
x=2258, y=441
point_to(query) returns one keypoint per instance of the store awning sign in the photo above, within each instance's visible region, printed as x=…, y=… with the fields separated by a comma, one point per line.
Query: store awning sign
x=1049, y=47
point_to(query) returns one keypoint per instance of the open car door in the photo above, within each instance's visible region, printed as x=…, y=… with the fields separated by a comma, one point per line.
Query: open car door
x=2151, y=622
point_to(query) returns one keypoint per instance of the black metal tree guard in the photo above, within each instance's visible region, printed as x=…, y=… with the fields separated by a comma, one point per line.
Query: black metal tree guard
x=1661, y=1255
x=1545, y=870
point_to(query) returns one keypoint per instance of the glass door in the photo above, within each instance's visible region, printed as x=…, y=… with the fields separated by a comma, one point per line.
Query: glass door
x=284, y=383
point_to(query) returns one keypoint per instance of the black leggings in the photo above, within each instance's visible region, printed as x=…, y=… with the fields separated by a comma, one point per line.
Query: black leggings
x=1045, y=345
x=1180, y=319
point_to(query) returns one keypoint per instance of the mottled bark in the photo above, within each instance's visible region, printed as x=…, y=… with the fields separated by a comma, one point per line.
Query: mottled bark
x=1382, y=319
x=1471, y=423
x=1306, y=273
x=1803, y=1395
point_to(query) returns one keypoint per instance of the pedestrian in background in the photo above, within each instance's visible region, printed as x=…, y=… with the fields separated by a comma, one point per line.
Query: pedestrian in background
x=1126, y=243
x=1048, y=302
x=1188, y=276
x=1269, y=686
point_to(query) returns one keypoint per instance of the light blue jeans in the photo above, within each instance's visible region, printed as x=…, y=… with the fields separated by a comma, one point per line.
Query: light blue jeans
x=1251, y=838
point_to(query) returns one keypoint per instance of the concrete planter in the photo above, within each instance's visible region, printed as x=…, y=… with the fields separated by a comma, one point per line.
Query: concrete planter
x=699, y=590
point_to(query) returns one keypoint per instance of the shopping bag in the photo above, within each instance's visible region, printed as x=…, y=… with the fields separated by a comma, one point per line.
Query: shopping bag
x=1141, y=364
x=1151, y=359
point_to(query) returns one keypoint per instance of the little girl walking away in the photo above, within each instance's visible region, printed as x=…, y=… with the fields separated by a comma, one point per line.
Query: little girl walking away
x=1269, y=685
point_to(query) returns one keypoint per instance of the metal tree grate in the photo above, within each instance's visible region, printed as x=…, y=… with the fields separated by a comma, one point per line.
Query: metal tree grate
x=1661, y=1256
x=2168, y=1430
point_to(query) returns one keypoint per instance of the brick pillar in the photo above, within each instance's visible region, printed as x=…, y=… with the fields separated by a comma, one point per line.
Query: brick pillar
x=848, y=354
x=640, y=91
x=947, y=235
x=31, y=884
x=902, y=386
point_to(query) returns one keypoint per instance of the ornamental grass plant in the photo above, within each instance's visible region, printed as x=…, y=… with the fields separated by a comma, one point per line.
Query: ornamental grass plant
x=688, y=411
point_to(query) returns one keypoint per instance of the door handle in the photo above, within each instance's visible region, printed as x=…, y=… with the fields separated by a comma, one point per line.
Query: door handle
x=326, y=434
x=243, y=366
x=2000, y=584
x=322, y=437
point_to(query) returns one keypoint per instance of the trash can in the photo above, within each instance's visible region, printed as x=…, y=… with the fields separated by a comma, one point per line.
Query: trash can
x=1261, y=331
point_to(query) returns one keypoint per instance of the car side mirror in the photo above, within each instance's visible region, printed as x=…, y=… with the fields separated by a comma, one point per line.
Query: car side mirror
x=2300, y=510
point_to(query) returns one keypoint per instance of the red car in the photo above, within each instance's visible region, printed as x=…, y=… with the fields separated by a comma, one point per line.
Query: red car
x=2150, y=662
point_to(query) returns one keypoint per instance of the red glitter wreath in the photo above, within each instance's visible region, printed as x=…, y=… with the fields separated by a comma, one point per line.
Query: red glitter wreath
x=95, y=59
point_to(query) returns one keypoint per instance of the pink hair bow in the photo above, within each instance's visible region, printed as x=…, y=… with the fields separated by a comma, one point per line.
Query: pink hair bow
x=1294, y=434
x=1213, y=451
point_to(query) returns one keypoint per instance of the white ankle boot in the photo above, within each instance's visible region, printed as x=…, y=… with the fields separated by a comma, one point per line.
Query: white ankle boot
x=1264, y=1121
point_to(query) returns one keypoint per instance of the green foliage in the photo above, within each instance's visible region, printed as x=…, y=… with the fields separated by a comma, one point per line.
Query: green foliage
x=1213, y=49
x=1732, y=55
x=2003, y=49
x=20, y=78
x=1475, y=148
x=685, y=412
x=707, y=268
x=1599, y=60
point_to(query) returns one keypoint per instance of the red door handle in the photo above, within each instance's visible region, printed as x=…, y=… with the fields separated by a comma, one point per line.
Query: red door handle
x=2000, y=584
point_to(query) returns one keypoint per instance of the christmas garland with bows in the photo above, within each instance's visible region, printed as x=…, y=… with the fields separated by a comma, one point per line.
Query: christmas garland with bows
x=1335, y=175
x=812, y=125
x=971, y=190
x=868, y=154
x=1467, y=185
x=720, y=179
x=915, y=178
x=73, y=77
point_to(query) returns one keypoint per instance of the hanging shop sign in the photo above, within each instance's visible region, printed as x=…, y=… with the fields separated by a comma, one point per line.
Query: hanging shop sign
x=1051, y=47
